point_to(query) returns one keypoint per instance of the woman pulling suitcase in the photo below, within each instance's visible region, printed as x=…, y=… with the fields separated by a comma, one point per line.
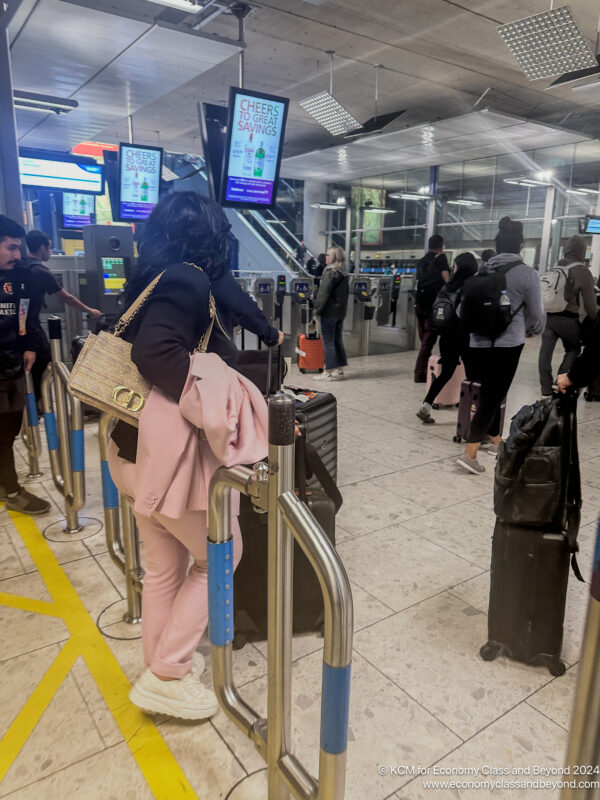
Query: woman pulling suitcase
x=330, y=305
x=454, y=341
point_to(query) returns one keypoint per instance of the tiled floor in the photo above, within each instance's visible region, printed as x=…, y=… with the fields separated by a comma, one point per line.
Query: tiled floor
x=414, y=534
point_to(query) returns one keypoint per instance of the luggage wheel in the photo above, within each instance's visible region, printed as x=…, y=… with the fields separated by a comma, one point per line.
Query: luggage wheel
x=557, y=668
x=302, y=370
x=489, y=651
x=457, y=439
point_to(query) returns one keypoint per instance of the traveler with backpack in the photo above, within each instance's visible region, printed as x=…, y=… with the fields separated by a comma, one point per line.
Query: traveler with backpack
x=433, y=271
x=454, y=342
x=564, y=290
x=500, y=307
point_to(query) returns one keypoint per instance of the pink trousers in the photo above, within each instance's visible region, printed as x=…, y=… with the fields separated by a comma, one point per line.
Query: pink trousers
x=175, y=594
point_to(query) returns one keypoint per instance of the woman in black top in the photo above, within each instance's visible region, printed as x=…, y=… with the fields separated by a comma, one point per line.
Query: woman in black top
x=454, y=343
x=330, y=305
x=186, y=236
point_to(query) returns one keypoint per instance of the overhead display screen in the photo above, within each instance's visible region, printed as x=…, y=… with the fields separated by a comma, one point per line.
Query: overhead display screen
x=68, y=176
x=592, y=225
x=77, y=209
x=255, y=134
x=139, y=181
x=113, y=270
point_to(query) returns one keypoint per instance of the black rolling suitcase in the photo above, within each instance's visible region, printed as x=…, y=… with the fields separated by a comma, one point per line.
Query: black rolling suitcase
x=537, y=499
x=250, y=583
x=470, y=397
x=316, y=413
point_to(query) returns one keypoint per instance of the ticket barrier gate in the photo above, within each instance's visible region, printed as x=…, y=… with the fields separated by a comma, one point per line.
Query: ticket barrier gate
x=296, y=313
x=383, y=301
x=399, y=332
x=64, y=434
x=263, y=292
x=271, y=489
x=406, y=320
x=359, y=315
x=122, y=538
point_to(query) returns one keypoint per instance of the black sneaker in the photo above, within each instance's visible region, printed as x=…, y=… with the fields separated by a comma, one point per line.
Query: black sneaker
x=3, y=494
x=27, y=503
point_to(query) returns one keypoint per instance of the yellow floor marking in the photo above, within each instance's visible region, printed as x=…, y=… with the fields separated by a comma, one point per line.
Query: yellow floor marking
x=29, y=716
x=28, y=604
x=156, y=762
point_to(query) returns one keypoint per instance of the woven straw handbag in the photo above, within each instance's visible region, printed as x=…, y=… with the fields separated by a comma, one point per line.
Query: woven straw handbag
x=105, y=377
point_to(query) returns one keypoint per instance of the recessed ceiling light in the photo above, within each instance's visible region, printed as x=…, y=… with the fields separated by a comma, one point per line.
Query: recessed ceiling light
x=32, y=101
x=464, y=202
x=329, y=113
x=410, y=196
x=191, y=6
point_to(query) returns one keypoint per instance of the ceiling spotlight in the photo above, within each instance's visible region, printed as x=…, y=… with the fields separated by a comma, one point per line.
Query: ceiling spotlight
x=548, y=44
x=544, y=176
x=32, y=101
x=341, y=201
x=191, y=6
x=327, y=111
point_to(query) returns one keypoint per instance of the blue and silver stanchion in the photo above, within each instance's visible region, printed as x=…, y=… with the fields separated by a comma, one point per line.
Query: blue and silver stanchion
x=583, y=752
x=31, y=430
x=289, y=518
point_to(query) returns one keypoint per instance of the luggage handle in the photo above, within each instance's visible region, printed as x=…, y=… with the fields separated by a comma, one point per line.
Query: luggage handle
x=307, y=456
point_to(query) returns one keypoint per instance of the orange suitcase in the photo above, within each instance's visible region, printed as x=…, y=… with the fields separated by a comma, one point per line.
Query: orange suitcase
x=314, y=360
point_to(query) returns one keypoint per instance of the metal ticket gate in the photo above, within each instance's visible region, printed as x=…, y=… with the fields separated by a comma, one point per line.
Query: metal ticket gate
x=30, y=431
x=383, y=301
x=296, y=313
x=406, y=320
x=359, y=315
x=271, y=489
x=263, y=291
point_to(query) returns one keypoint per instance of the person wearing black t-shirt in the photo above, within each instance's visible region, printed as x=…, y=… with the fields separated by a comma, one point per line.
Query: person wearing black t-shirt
x=18, y=344
x=39, y=245
x=433, y=271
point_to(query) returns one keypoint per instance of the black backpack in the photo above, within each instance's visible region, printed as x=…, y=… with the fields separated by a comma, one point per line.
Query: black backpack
x=443, y=314
x=486, y=308
x=428, y=274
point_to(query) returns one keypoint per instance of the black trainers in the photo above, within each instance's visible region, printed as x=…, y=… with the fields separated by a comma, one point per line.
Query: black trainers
x=3, y=494
x=27, y=503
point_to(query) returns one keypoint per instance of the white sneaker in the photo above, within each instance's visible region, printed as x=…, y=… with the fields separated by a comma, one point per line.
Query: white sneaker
x=198, y=664
x=185, y=698
x=340, y=374
x=324, y=376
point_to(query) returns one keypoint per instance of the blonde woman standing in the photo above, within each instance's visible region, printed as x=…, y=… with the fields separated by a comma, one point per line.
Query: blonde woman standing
x=330, y=305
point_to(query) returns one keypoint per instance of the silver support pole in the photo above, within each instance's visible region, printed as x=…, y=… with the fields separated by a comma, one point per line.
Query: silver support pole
x=71, y=479
x=110, y=496
x=11, y=201
x=31, y=430
x=134, y=574
x=584, y=737
x=282, y=410
x=595, y=265
x=547, y=228
x=348, y=247
x=241, y=11
x=358, y=241
x=130, y=128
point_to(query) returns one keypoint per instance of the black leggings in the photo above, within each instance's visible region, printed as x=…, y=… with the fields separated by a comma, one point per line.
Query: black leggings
x=494, y=368
x=10, y=425
x=453, y=347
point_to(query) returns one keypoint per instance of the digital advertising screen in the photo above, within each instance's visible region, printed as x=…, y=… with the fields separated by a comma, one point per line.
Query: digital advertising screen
x=139, y=180
x=69, y=176
x=592, y=225
x=255, y=136
x=77, y=210
x=113, y=270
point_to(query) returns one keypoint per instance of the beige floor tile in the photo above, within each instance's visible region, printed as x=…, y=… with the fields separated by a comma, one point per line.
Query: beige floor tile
x=302, y=645
x=352, y=468
x=430, y=486
x=64, y=735
x=249, y=663
x=523, y=738
x=91, y=584
x=96, y=706
x=10, y=563
x=400, y=568
x=376, y=706
x=368, y=508
x=341, y=535
x=18, y=678
x=238, y=742
x=432, y=651
x=396, y=455
x=464, y=529
x=128, y=652
x=19, y=546
x=367, y=609
x=110, y=775
x=474, y=592
x=557, y=698
x=24, y=632
x=254, y=787
x=113, y=572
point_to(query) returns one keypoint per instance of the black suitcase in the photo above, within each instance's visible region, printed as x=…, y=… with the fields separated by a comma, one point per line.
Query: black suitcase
x=316, y=414
x=528, y=591
x=470, y=396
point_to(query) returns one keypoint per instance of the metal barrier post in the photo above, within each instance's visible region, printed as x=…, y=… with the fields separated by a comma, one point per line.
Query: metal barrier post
x=583, y=750
x=67, y=457
x=124, y=550
x=287, y=516
x=31, y=430
x=282, y=410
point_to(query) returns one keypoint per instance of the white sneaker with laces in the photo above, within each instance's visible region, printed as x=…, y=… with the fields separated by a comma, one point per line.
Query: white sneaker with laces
x=340, y=374
x=185, y=698
x=324, y=376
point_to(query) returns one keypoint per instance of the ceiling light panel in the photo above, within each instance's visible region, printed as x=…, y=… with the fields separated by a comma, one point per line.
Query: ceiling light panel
x=329, y=113
x=190, y=6
x=548, y=44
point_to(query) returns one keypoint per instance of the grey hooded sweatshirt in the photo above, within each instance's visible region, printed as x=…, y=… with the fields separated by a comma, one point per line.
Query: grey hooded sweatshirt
x=523, y=288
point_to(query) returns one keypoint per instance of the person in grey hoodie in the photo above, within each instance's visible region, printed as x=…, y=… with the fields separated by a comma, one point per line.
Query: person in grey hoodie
x=330, y=305
x=564, y=325
x=494, y=363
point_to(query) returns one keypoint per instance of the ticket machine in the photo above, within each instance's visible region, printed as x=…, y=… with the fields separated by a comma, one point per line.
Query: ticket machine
x=108, y=263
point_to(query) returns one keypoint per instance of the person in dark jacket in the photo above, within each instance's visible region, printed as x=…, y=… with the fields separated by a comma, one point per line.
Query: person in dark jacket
x=19, y=343
x=331, y=305
x=433, y=271
x=565, y=325
x=186, y=236
x=586, y=367
x=454, y=342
